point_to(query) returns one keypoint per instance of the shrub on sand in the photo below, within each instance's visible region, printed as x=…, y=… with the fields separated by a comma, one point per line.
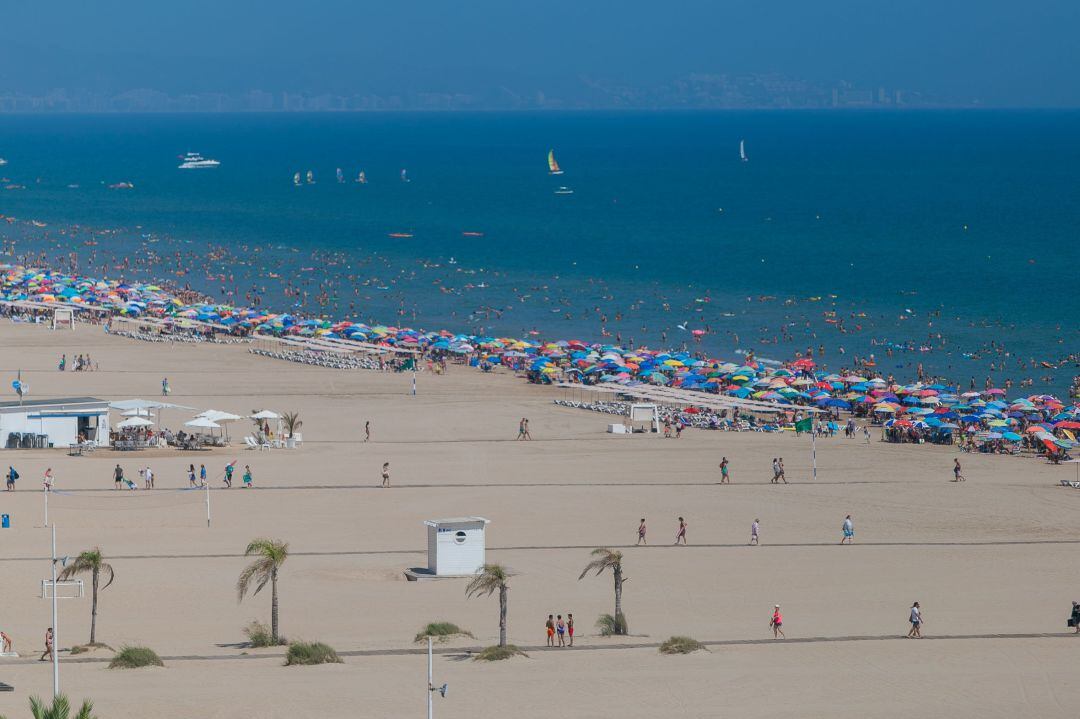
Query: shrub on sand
x=441, y=632
x=135, y=657
x=497, y=653
x=259, y=635
x=311, y=653
x=681, y=645
x=610, y=626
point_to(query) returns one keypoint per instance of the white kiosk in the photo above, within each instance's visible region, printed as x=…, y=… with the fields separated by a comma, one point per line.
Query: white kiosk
x=456, y=548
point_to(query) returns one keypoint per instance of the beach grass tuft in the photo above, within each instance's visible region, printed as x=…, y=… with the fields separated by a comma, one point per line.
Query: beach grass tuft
x=441, y=632
x=311, y=653
x=612, y=626
x=682, y=645
x=497, y=653
x=135, y=657
x=259, y=636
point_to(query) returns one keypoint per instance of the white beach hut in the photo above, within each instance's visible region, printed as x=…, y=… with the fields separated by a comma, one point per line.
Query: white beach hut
x=456, y=547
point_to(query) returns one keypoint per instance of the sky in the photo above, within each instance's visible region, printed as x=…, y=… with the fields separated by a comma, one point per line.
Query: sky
x=1001, y=53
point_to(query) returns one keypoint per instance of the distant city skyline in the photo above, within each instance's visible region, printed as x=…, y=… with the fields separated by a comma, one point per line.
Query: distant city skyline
x=693, y=92
x=489, y=54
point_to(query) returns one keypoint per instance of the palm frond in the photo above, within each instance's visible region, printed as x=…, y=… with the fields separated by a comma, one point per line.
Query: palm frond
x=487, y=580
x=605, y=558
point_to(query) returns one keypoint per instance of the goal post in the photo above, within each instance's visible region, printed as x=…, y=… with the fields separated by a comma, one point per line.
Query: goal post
x=64, y=588
x=63, y=318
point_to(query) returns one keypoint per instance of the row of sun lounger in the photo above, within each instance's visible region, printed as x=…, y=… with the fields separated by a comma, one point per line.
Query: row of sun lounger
x=320, y=359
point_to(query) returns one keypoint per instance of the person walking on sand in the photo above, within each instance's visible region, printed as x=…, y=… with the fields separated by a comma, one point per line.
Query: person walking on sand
x=521, y=429
x=148, y=478
x=681, y=534
x=725, y=473
x=191, y=476
x=165, y=389
x=780, y=465
x=528, y=434
x=549, y=628
x=367, y=431
x=866, y=432
x=755, y=530
x=118, y=477
x=48, y=653
x=570, y=628
x=560, y=629
x=916, y=620
x=849, y=531
x=957, y=476
x=386, y=474
x=777, y=623
x=228, y=474
x=249, y=478
x=202, y=475
x=6, y=646
x=12, y=475
x=775, y=470
x=47, y=480
x=1074, y=618
x=641, y=532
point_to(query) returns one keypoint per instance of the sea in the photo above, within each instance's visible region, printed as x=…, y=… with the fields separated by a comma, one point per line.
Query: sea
x=941, y=238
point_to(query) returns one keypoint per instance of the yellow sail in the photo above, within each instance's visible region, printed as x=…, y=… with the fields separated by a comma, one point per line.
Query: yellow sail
x=553, y=167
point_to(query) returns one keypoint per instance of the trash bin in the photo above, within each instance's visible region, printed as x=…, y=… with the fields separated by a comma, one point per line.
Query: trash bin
x=5, y=521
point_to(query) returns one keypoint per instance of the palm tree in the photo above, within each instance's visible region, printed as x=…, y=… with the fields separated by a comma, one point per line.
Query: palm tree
x=486, y=581
x=271, y=554
x=91, y=562
x=292, y=422
x=610, y=559
x=60, y=709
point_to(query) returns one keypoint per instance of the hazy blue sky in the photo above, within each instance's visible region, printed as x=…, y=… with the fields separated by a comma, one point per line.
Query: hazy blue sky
x=1003, y=52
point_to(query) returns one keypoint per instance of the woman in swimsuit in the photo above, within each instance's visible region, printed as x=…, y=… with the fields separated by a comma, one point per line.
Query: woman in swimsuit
x=682, y=531
x=777, y=622
x=570, y=627
x=641, y=532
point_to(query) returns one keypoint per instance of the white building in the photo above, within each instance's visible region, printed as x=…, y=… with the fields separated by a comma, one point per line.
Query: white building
x=53, y=422
x=456, y=547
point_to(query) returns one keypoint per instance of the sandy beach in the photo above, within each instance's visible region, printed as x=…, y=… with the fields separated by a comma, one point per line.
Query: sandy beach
x=988, y=559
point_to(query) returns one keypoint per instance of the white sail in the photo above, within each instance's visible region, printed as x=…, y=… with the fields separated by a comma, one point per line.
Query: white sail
x=742, y=150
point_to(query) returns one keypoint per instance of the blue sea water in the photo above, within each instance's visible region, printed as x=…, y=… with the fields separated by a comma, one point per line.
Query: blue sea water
x=886, y=217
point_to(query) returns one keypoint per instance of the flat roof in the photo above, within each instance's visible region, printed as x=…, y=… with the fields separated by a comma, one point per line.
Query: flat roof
x=456, y=520
x=53, y=402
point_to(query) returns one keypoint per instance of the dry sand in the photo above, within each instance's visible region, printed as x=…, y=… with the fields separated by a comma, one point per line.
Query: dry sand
x=989, y=559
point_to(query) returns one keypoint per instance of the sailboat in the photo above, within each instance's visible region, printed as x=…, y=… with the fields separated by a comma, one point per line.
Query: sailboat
x=296, y=179
x=563, y=190
x=742, y=151
x=404, y=176
x=361, y=178
x=340, y=176
x=553, y=167
x=310, y=177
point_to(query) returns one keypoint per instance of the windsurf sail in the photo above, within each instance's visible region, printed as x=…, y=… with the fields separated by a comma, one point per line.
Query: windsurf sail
x=553, y=166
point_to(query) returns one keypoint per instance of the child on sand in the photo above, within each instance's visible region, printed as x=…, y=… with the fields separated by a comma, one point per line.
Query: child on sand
x=228, y=475
x=681, y=534
x=386, y=474
x=754, y=529
x=641, y=532
x=957, y=477
x=202, y=475
x=249, y=478
x=47, y=480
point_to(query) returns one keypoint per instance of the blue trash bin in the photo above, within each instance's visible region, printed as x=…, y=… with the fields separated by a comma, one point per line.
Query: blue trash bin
x=5, y=521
